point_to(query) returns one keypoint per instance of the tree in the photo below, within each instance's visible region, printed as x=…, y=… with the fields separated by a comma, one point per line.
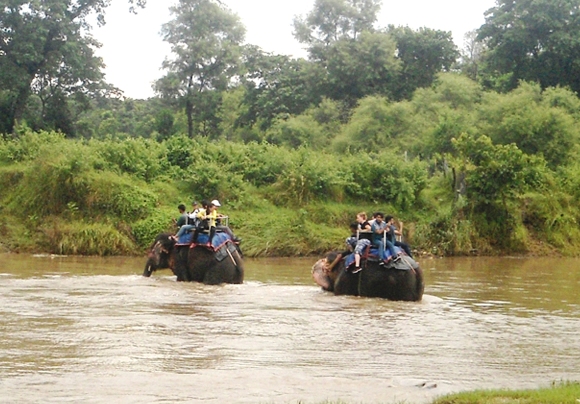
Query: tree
x=536, y=127
x=533, y=40
x=496, y=175
x=471, y=55
x=278, y=86
x=362, y=67
x=423, y=53
x=333, y=20
x=45, y=49
x=205, y=39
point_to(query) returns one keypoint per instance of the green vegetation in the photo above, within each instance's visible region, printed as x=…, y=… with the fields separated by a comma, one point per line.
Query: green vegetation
x=476, y=154
x=559, y=393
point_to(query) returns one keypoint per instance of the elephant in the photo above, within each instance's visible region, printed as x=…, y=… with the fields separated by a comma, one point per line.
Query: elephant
x=400, y=280
x=197, y=262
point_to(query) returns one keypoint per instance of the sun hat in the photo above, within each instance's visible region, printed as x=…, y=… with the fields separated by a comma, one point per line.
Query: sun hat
x=215, y=202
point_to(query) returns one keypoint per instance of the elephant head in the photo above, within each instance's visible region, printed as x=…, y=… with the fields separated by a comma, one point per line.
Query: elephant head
x=160, y=254
x=402, y=280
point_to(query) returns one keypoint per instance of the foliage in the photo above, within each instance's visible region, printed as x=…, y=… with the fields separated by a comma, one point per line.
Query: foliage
x=385, y=177
x=370, y=126
x=532, y=40
x=27, y=146
x=496, y=172
x=143, y=158
x=158, y=221
x=286, y=232
x=496, y=175
x=334, y=20
x=536, y=127
x=557, y=393
x=277, y=86
x=423, y=54
x=309, y=178
x=297, y=131
x=361, y=67
x=84, y=239
x=46, y=50
x=205, y=39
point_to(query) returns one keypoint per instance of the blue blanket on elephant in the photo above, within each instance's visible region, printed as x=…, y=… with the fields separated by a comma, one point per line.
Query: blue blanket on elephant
x=219, y=239
x=373, y=254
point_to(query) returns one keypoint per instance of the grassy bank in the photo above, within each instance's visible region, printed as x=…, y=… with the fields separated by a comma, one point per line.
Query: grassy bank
x=111, y=197
x=558, y=393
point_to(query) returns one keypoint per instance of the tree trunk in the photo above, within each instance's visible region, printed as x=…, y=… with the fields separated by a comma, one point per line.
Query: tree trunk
x=189, y=113
x=19, y=106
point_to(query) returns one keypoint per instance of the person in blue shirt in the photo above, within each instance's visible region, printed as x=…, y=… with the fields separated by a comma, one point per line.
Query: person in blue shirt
x=393, y=233
x=379, y=229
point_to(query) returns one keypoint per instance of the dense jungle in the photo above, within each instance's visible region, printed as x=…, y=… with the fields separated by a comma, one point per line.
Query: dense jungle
x=474, y=149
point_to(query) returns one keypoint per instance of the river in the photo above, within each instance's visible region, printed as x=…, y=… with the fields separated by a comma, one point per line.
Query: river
x=93, y=330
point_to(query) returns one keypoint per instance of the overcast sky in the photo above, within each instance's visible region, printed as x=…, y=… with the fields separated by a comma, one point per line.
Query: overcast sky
x=133, y=50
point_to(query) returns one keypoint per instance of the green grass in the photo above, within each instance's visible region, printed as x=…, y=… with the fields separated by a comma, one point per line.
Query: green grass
x=558, y=393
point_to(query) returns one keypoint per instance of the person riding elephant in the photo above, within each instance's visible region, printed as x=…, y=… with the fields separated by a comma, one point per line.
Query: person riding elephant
x=401, y=280
x=196, y=263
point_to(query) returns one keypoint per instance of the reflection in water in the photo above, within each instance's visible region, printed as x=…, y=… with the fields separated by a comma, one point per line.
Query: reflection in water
x=92, y=329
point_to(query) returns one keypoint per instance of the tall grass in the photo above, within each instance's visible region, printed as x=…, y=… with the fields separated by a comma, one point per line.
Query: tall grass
x=114, y=196
x=80, y=238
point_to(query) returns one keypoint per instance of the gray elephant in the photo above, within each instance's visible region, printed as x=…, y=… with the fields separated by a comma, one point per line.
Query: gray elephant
x=400, y=280
x=211, y=265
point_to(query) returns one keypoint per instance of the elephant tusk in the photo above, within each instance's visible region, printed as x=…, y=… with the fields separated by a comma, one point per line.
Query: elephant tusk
x=231, y=256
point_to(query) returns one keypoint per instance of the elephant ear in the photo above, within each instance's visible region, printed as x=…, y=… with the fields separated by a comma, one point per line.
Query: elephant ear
x=168, y=243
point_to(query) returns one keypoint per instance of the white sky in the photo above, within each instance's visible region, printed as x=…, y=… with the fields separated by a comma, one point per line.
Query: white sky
x=133, y=50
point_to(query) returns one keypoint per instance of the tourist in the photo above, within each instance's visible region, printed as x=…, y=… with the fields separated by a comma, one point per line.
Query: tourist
x=379, y=227
x=393, y=233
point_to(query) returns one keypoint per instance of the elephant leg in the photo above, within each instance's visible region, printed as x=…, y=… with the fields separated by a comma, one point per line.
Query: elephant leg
x=348, y=283
x=420, y=286
x=228, y=270
x=180, y=269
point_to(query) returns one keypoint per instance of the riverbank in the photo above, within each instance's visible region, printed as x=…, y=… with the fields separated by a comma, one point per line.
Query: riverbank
x=113, y=196
x=558, y=393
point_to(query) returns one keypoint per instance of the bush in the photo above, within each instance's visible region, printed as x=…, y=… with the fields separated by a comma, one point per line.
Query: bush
x=309, y=177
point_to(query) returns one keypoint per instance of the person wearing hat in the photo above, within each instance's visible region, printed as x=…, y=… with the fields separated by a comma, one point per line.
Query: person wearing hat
x=211, y=217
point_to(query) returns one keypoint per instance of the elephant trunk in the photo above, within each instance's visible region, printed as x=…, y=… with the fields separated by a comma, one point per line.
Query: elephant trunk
x=149, y=268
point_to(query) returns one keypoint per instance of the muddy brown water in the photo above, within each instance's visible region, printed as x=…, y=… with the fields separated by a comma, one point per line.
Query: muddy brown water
x=92, y=330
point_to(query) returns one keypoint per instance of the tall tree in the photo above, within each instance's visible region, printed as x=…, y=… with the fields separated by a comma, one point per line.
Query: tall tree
x=533, y=40
x=278, y=86
x=423, y=53
x=332, y=20
x=45, y=46
x=471, y=54
x=205, y=40
x=362, y=67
